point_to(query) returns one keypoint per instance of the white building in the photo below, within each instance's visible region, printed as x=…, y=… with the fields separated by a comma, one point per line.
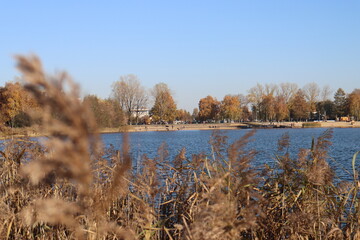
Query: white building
x=140, y=113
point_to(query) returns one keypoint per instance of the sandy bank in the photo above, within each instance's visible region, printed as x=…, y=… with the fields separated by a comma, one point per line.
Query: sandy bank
x=225, y=126
x=325, y=124
x=174, y=127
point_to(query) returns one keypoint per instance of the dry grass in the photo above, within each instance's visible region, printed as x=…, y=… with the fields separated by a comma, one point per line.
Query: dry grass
x=69, y=187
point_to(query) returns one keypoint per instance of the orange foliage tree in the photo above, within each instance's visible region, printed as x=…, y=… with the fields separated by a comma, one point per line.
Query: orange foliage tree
x=354, y=104
x=209, y=108
x=281, y=108
x=164, y=109
x=15, y=102
x=267, y=108
x=230, y=108
x=299, y=108
x=183, y=115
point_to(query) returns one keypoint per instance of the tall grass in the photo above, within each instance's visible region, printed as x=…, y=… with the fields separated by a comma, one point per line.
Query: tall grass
x=69, y=187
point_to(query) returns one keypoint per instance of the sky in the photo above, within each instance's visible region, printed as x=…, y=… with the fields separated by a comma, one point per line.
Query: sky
x=197, y=48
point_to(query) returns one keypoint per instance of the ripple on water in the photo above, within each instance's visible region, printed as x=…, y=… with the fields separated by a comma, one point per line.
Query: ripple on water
x=345, y=144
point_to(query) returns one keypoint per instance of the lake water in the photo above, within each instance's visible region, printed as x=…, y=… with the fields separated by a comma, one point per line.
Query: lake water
x=346, y=142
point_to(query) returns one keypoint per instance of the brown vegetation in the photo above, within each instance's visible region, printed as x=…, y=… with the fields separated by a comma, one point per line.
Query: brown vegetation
x=68, y=187
x=164, y=109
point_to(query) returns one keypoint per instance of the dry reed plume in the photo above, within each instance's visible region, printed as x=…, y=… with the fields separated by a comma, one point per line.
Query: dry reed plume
x=68, y=187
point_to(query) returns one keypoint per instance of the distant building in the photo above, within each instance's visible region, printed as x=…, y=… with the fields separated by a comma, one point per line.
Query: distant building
x=140, y=113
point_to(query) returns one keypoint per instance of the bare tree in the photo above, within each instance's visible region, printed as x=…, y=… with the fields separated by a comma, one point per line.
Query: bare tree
x=311, y=92
x=195, y=114
x=255, y=97
x=326, y=93
x=160, y=88
x=131, y=96
x=270, y=89
x=287, y=91
x=244, y=101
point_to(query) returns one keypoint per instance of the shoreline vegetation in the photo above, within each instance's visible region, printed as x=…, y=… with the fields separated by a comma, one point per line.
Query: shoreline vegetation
x=35, y=131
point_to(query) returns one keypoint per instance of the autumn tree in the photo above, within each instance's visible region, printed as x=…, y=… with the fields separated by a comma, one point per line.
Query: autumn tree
x=164, y=109
x=107, y=113
x=354, y=104
x=281, y=108
x=267, y=107
x=299, y=109
x=15, y=103
x=311, y=92
x=183, y=115
x=131, y=96
x=11, y=102
x=230, y=108
x=114, y=116
x=93, y=102
x=341, y=103
x=209, y=108
x=245, y=113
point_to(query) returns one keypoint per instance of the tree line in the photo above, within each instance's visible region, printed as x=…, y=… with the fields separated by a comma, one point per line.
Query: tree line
x=129, y=104
x=287, y=101
x=283, y=102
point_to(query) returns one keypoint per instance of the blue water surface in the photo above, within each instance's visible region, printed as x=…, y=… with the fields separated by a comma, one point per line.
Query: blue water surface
x=345, y=143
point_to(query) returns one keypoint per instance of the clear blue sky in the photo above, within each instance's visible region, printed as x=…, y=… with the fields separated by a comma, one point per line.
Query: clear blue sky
x=198, y=48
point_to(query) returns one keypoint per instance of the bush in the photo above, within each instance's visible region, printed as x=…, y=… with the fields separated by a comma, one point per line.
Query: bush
x=311, y=125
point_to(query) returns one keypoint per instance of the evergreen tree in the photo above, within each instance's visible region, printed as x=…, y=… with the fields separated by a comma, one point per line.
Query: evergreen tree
x=340, y=102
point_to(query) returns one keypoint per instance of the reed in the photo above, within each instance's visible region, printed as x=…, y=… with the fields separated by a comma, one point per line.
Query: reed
x=69, y=187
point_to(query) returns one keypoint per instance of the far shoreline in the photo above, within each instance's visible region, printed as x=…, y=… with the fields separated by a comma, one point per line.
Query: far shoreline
x=35, y=132
x=227, y=126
